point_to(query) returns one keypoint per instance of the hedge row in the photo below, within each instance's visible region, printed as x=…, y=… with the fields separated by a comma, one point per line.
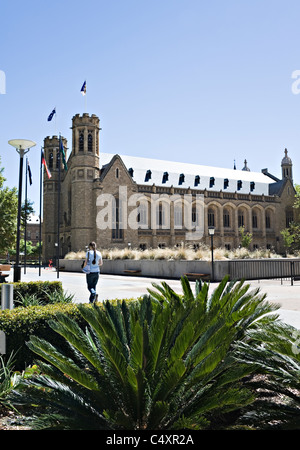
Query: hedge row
x=39, y=288
x=20, y=323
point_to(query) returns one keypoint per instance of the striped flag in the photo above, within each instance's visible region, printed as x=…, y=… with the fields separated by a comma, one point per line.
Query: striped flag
x=83, y=89
x=29, y=173
x=43, y=162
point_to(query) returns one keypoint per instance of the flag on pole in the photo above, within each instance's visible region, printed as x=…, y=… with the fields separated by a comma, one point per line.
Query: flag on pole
x=43, y=161
x=29, y=173
x=62, y=152
x=50, y=117
x=83, y=89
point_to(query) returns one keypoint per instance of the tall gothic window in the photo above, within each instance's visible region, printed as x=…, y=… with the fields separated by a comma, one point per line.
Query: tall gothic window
x=81, y=142
x=143, y=215
x=289, y=217
x=241, y=219
x=178, y=215
x=226, y=218
x=90, y=142
x=211, y=218
x=160, y=215
x=254, y=220
x=57, y=158
x=117, y=228
x=268, y=219
x=51, y=160
x=195, y=216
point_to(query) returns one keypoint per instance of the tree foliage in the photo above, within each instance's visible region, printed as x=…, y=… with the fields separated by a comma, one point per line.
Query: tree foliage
x=291, y=234
x=246, y=237
x=8, y=214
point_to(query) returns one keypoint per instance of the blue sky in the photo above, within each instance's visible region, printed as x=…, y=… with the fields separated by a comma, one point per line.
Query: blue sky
x=198, y=81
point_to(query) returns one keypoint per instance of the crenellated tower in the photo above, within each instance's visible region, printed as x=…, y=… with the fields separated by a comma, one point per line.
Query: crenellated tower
x=84, y=168
x=50, y=197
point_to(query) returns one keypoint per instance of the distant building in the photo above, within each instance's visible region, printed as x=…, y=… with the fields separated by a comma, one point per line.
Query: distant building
x=122, y=201
x=33, y=229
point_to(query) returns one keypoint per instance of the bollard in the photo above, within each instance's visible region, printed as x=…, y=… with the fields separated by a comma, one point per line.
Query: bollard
x=2, y=343
x=7, y=296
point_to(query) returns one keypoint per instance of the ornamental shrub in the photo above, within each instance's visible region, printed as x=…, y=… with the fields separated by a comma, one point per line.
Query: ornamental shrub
x=42, y=290
x=19, y=323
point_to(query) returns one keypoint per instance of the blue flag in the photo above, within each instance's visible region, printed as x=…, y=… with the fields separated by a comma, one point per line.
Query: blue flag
x=50, y=117
x=83, y=89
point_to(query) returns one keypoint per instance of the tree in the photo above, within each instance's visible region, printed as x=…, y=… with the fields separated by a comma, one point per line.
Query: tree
x=297, y=197
x=8, y=214
x=291, y=234
x=246, y=238
x=29, y=248
x=26, y=211
x=163, y=362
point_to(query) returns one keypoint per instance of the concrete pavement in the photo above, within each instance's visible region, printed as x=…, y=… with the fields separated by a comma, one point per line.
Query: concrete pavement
x=117, y=286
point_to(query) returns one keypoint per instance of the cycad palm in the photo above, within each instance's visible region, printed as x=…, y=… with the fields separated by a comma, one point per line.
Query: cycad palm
x=164, y=362
x=275, y=351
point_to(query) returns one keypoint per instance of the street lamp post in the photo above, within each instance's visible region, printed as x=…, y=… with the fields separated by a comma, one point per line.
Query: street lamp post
x=211, y=232
x=22, y=146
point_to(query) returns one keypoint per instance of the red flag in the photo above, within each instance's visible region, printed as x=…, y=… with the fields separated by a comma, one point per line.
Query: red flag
x=43, y=161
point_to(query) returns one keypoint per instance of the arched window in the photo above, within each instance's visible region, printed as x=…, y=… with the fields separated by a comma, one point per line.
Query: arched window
x=226, y=218
x=162, y=215
x=81, y=142
x=211, y=217
x=178, y=215
x=254, y=220
x=289, y=217
x=57, y=158
x=241, y=218
x=268, y=219
x=195, y=216
x=51, y=160
x=90, y=142
x=143, y=215
x=117, y=228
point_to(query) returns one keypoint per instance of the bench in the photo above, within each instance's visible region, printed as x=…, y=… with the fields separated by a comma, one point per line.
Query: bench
x=4, y=268
x=197, y=276
x=132, y=271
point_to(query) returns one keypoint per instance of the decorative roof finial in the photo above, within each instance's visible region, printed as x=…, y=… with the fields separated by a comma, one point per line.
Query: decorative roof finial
x=286, y=159
x=246, y=168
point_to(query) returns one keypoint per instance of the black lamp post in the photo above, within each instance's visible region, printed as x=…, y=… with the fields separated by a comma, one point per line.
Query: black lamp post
x=211, y=232
x=22, y=146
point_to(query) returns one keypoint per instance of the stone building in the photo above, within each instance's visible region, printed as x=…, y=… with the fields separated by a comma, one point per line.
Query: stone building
x=121, y=201
x=33, y=229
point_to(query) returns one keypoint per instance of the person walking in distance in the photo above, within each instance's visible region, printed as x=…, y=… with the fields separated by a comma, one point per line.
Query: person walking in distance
x=94, y=260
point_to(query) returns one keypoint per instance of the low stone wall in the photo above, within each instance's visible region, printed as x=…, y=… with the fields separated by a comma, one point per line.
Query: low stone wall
x=152, y=268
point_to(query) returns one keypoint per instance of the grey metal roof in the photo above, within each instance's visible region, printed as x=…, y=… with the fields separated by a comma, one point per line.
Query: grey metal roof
x=140, y=166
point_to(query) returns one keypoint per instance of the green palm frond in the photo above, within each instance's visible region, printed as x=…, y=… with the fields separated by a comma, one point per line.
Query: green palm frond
x=163, y=361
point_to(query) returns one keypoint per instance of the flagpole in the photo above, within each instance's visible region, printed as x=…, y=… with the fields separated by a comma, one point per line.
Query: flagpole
x=58, y=211
x=40, y=224
x=25, y=228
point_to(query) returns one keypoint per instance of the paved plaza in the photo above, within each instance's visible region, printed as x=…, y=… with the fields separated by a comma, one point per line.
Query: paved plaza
x=114, y=286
